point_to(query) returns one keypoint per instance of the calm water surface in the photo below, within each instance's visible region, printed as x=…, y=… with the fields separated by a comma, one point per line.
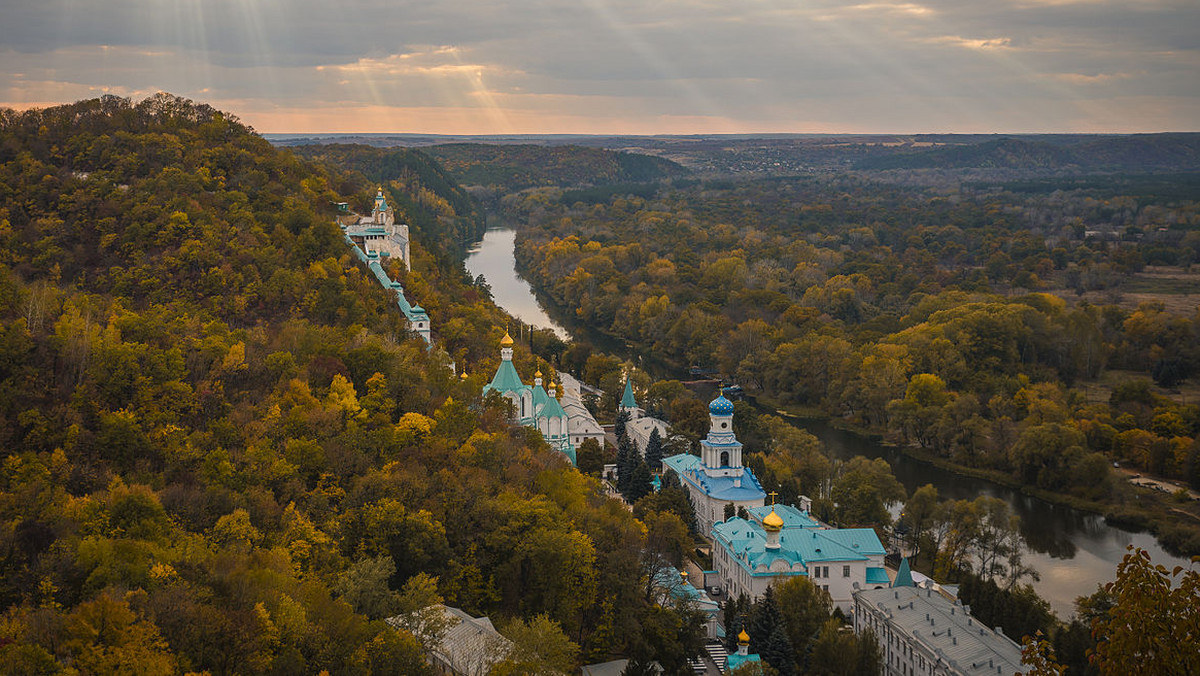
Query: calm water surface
x=492, y=257
x=1073, y=551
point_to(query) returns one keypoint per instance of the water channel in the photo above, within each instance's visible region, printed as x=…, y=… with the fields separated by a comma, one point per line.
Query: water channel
x=1073, y=551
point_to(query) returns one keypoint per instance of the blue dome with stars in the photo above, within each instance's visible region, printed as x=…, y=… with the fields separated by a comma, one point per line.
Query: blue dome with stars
x=721, y=406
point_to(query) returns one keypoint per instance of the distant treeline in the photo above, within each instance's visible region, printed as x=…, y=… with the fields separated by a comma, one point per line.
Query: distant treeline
x=1138, y=153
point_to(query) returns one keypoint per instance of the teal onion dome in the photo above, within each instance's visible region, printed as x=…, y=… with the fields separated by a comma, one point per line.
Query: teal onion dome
x=721, y=406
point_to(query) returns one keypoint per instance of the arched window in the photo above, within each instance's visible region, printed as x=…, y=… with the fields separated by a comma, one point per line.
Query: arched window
x=724, y=458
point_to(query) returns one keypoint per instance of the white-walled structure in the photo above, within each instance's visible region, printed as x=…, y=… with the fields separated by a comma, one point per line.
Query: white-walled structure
x=379, y=232
x=923, y=633
x=717, y=477
x=581, y=424
x=375, y=240
x=532, y=406
x=780, y=542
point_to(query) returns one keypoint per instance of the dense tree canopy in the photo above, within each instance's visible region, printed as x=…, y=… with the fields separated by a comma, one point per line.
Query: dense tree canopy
x=223, y=450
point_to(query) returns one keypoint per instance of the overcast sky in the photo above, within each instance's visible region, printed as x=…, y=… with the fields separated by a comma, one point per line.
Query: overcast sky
x=623, y=66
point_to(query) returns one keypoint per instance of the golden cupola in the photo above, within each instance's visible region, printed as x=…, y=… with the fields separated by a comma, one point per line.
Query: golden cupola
x=773, y=522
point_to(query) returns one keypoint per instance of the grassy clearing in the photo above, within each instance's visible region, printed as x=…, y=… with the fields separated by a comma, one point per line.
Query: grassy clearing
x=1098, y=391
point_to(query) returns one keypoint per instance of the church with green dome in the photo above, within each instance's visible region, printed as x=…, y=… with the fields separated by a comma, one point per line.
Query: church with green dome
x=532, y=406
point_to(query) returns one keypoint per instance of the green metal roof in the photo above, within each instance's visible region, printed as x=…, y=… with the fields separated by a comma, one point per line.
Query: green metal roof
x=540, y=398
x=627, y=400
x=877, y=576
x=904, y=576
x=553, y=409
x=506, y=379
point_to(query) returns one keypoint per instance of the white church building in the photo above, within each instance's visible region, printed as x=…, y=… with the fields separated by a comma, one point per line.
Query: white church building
x=378, y=238
x=717, y=478
x=532, y=406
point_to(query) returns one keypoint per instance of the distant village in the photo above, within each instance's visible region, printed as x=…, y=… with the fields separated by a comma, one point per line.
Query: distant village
x=922, y=628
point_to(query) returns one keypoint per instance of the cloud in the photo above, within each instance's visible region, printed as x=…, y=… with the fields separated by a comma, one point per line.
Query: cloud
x=762, y=64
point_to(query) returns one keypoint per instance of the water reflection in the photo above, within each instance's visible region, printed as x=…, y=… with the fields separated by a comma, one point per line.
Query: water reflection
x=1072, y=551
x=492, y=257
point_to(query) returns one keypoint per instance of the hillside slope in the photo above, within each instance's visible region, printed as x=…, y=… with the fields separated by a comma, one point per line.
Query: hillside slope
x=1135, y=153
x=514, y=167
x=224, y=453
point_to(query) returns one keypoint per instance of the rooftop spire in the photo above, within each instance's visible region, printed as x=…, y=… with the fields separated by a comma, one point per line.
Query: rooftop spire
x=627, y=400
x=904, y=576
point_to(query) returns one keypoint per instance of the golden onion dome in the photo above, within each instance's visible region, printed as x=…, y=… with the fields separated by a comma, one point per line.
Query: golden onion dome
x=538, y=374
x=463, y=376
x=773, y=522
x=743, y=637
x=506, y=341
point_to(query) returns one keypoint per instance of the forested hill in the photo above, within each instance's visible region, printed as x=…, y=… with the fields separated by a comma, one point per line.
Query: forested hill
x=1134, y=153
x=439, y=210
x=514, y=167
x=223, y=452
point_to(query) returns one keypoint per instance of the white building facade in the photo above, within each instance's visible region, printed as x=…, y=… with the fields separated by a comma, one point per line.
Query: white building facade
x=923, y=633
x=717, y=478
x=781, y=542
x=376, y=240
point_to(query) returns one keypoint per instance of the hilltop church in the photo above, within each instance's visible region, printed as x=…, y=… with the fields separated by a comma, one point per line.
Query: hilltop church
x=377, y=238
x=532, y=406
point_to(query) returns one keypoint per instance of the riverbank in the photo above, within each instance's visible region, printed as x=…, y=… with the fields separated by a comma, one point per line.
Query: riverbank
x=1073, y=550
x=1157, y=514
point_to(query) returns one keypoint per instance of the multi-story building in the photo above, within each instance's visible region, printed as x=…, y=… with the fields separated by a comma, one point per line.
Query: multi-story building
x=779, y=542
x=717, y=478
x=923, y=633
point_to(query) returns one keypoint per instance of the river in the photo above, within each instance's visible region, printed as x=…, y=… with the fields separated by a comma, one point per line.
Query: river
x=492, y=257
x=1073, y=551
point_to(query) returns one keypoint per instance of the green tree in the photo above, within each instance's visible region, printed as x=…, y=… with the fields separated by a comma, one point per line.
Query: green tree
x=1153, y=625
x=838, y=651
x=540, y=647
x=364, y=586
x=654, y=451
x=589, y=457
x=804, y=608
x=863, y=489
x=764, y=618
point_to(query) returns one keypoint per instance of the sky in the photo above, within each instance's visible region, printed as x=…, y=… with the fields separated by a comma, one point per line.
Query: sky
x=623, y=66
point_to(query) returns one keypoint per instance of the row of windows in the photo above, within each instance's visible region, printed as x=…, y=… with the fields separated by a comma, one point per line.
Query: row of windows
x=823, y=571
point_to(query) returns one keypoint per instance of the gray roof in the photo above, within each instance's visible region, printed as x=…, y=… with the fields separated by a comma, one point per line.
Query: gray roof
x=469, y=645
x=946, y=629
x=614, y=668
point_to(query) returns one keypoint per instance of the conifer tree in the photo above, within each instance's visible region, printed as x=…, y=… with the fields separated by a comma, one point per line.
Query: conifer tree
x=626, y=461
x=777, y=651
x=654, y=451
x=764, y=618
x=619, y=424
x=639, y=482
x=737, y=612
